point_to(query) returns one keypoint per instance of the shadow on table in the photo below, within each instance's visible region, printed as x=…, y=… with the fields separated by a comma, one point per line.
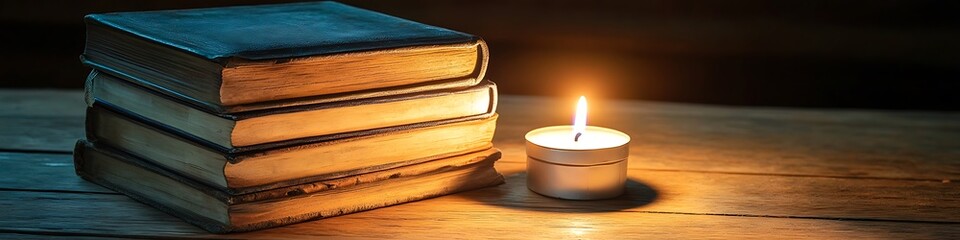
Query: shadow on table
x=514, y=194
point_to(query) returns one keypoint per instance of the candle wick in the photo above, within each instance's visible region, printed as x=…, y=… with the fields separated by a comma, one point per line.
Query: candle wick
x=577, y=137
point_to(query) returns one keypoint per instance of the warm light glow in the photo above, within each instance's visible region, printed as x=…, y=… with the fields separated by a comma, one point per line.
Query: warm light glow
x=580, y=119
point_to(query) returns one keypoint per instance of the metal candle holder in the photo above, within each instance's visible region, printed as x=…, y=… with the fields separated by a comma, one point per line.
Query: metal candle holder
x=577, y=174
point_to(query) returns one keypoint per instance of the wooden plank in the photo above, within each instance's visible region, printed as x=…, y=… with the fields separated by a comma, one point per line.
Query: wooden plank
x=40, y=120
x=451, y=217
x=716, y=193
x=43, y=172
x=661, y=191
x=687, y=137
x=46, y=235
x=672, y=137
x=40, y=134
x=37, y=103
x=751, y=195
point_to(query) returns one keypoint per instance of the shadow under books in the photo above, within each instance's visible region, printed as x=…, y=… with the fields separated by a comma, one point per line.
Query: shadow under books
x=514, y=194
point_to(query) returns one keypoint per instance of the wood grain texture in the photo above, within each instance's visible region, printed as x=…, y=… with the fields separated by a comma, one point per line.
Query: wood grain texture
x=506, y=212
x=40, y=120
x=40, y=134
x=49, y=103
x=51, y=235
x=751, y=195
x=690, y=193
x=799, y=142
x=43, y=172
x=696, y=172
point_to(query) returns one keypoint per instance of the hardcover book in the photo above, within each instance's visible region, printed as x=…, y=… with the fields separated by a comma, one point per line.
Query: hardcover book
x=260, y=169
x=246, y=57
x=296, y=124
x=220, y=212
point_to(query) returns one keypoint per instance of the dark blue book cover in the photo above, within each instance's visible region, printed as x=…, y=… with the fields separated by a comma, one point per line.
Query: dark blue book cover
x=257, y=57
x=277, y=31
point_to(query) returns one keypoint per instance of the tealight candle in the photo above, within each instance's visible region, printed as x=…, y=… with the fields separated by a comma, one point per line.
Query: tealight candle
x=577, y=162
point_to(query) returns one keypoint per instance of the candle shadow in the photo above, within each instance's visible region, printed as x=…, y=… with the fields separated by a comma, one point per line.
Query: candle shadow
x=515, y=195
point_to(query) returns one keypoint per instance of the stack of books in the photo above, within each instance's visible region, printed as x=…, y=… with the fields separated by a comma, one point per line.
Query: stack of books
x=242, y=118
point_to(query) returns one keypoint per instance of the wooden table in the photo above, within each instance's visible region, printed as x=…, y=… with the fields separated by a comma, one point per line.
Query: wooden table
x=696, y=171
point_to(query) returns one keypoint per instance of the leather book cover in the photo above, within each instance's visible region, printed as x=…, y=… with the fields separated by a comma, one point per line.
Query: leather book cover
x=278, y=31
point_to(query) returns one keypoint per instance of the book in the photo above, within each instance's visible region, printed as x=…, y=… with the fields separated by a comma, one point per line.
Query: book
x=259, y=169
x=282, y=53
x=300, y=123
x=220, y=212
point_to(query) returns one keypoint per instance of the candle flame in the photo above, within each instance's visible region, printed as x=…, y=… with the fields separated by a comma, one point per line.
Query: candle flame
x=580, y=119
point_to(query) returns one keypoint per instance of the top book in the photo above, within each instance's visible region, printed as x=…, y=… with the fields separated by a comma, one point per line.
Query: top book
x=230, y=56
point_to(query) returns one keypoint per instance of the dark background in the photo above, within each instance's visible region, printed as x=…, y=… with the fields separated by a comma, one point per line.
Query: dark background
x=839, y=54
